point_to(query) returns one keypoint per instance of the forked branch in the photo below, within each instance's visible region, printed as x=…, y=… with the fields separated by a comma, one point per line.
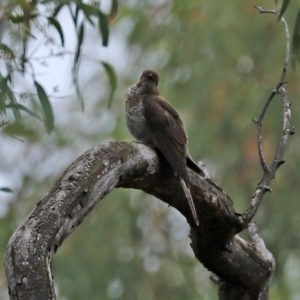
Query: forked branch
x=277, y=161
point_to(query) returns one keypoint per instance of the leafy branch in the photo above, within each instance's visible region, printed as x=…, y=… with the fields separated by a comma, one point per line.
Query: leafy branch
x=24, y=15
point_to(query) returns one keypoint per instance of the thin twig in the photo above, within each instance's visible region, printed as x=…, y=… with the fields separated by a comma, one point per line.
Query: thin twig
x=14, y=137
x=261, y=154
x=269, y=172
x=25, y=95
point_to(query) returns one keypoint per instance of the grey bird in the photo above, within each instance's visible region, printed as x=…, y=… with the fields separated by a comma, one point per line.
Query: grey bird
x=153, y=121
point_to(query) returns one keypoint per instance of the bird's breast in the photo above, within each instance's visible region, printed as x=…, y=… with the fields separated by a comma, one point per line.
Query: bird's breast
x=135, y=120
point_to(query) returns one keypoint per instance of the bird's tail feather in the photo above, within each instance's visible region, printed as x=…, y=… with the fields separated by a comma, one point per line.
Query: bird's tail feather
x=190, y=200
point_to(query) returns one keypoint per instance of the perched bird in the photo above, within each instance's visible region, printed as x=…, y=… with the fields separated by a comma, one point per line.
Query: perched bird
x=153, y=121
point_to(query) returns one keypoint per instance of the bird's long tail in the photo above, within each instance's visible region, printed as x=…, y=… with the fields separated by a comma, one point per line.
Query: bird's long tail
x=190, y=200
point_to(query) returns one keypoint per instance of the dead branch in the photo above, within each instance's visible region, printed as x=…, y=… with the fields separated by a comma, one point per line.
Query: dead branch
x=277, y=161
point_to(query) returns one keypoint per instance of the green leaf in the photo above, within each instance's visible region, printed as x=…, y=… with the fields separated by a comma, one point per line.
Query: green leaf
x=78, y=90
x=113, y=81
x=296, y=40
x=103, y=26
x=5, y=89
x=88, y=11
x=48, y=113
x=19, y=106
x=23, y=57
x=8, y=53
x=57, y=9
x=75, y=66
x=74, y=16
x=9, y=79
x=2, y=104
x=3, y=97
x=7, y=190
x=284, y=6
x=80, y=40
x=56, y=24
x=114, y=10
x=26, y=130
x=22, y=19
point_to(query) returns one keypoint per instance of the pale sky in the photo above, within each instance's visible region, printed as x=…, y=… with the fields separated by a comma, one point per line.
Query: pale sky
x=58, y=73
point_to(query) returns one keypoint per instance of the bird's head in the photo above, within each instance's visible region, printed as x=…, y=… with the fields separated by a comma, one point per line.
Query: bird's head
x=148, y=82
x=150, y=77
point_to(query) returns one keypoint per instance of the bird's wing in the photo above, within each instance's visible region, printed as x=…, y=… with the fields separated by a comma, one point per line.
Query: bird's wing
x=191, y=164
x=168, y=133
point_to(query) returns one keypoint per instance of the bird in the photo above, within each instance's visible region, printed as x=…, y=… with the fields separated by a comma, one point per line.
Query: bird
x=152, y=120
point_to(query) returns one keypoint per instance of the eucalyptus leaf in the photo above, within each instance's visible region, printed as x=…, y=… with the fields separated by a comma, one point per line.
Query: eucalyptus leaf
x=46, y=106
x=88, y=11
x=79, y=43
x=114, y=10
x=57, y=9
x=103, y=26
x=5, y=90
x=296, y=40
x=78, y=90
x=8, y=52
x=112, y=79
x=19, y=106
x=284, y=6
x=7, y=190
x=57, y=25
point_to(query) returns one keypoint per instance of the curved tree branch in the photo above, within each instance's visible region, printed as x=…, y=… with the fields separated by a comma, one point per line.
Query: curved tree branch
x=124, y=165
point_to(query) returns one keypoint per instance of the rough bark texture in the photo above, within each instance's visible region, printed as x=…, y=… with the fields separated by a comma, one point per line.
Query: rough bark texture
x=243, y=268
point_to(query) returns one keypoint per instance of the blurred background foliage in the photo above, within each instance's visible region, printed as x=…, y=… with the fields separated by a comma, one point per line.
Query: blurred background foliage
x=218, y=62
